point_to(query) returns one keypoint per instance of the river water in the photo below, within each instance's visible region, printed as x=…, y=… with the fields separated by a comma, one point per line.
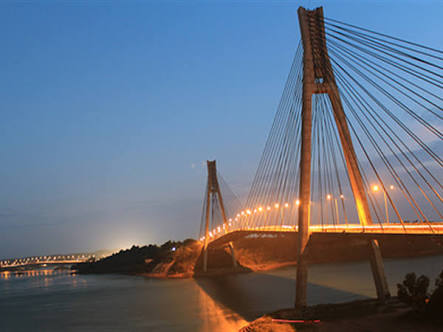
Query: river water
x=48, y=300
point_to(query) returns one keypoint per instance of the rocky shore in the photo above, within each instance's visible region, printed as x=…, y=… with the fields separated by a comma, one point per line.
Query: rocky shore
x=364, y=315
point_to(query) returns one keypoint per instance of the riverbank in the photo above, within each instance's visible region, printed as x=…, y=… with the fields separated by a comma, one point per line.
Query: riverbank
x=168, y=260
x=362, y=315
x=179, y=260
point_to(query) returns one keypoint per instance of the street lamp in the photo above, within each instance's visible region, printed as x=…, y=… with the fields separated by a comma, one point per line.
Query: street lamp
x=376, y=188
x=336, y=211
x=329, y=197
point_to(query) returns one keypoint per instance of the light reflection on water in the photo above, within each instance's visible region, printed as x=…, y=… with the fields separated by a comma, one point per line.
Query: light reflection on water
x=46, y=300
x=216, y=317
x=32, y=273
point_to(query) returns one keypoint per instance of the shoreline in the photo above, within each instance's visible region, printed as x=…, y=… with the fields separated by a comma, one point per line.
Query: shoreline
x=360, y=315
x=185, y=269
x=250, y=268
x=218, y=272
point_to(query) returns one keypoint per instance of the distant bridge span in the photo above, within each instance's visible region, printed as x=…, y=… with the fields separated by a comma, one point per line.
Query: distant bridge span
x=45, y=260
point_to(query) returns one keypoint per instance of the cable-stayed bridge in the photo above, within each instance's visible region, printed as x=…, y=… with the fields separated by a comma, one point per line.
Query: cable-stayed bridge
x=355, y=148
x=45, y=260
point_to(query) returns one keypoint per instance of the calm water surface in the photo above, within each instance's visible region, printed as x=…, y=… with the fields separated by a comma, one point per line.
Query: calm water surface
x=46, y=300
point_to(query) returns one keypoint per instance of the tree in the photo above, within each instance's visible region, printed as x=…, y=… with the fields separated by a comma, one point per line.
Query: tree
x=414, y=291
x=434, y=308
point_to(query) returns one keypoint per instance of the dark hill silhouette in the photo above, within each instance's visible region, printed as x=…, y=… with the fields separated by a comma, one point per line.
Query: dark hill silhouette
x=136, y=260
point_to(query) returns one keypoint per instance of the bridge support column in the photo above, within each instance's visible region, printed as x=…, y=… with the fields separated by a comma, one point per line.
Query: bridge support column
x=318, y=78
x=378, y=271
x=234, y=259
x=212, y=190
x=305, y=163
x=205, y=259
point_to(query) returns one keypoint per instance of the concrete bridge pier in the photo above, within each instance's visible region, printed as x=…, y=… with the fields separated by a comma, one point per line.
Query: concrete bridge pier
x=378, y=271
x=213, y=195
x=230, y=246
x=319, y=78
x=234, y=259
x=205, y=259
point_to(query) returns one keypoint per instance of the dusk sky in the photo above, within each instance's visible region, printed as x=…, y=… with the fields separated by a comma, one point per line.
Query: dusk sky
x=109, y=109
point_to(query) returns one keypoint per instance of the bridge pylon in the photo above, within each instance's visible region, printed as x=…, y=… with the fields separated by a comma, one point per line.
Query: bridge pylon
x=213, y=197
x=318, y=78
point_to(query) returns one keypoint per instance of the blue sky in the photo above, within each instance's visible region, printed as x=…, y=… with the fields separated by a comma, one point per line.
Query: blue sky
x=109, y=108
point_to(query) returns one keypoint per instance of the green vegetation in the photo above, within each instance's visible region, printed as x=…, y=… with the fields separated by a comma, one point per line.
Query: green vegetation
x=415, y=292
x=434, y=307
x=136, y=260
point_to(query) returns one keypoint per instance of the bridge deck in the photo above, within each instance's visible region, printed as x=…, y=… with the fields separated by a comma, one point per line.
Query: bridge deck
x=380, y=229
